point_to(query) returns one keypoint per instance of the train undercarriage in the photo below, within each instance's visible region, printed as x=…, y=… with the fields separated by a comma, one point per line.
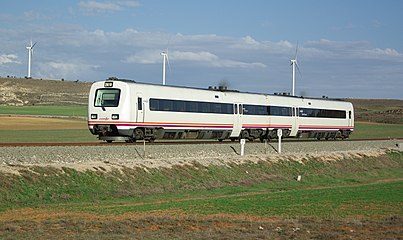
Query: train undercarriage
x=110, y=133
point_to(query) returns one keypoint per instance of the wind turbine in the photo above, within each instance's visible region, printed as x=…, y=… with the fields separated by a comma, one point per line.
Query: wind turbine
x=294, y=63
x=165, y=60
x=30, y=51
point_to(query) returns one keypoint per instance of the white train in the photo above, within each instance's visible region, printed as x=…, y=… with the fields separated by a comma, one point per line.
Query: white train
x=129, y=111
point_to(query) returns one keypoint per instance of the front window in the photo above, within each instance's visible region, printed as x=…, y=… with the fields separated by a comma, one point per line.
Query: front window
x=107, y=97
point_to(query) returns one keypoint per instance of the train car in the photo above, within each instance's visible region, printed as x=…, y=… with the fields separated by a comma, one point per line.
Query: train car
x=125, y=110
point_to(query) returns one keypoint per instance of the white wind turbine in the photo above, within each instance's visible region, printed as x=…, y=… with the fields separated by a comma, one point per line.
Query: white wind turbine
x=165, y=60
x=30, y=51
x=294, y=63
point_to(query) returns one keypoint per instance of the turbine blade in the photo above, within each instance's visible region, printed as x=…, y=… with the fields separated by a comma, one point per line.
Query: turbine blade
x=169, y=65
x=296, y=52
x=32, y=46
x=296, y=63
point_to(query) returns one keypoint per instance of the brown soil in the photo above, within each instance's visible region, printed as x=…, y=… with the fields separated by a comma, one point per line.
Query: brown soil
x=61, y=224
x=36, y=123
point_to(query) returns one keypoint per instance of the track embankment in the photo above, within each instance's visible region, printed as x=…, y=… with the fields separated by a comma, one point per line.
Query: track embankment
x=163, y=155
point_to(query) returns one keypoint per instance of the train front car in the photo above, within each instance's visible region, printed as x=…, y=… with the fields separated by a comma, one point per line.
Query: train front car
x=109, y=110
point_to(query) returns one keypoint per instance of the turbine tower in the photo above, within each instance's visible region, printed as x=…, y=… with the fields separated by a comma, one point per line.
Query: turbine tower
x=164, y=61
x=294, y=63
x=30, y=51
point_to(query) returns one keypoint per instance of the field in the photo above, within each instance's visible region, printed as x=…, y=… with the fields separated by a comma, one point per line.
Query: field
x=17, y=129
x=358, y=196
x=14, y=129
x=378, y=110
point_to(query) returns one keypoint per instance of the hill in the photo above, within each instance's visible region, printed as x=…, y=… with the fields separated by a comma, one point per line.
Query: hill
x=29, y=92
x=378, y=110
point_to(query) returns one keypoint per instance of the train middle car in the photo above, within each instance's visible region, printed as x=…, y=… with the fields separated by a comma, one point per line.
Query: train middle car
x=129, y=111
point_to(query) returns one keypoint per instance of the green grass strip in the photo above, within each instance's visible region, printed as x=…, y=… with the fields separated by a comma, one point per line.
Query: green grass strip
x=52, y=110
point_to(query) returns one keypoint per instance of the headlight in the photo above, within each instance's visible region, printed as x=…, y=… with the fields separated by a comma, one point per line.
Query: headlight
x=108, y=84
x=115, y=116
x=94, y=116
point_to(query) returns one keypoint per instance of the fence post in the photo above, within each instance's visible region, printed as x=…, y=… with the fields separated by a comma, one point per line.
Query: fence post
x=279, y=134
x=242, y=142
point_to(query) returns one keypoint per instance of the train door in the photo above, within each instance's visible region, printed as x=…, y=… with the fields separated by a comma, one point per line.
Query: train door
x=237, y=127
x=295, y=124
x=140, y=108
x=350, y=118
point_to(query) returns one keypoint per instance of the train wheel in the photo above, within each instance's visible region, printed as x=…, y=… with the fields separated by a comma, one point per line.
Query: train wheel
x=109, y=141
x=244, y=135
x=138, y=134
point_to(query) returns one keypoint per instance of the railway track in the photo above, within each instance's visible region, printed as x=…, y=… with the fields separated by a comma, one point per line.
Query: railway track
x=161, y=142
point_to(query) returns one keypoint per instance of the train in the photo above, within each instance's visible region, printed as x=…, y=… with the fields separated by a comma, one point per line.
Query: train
x=126, y=110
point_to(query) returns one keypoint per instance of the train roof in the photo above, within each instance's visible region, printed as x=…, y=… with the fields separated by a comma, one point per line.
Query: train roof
x=225, y=89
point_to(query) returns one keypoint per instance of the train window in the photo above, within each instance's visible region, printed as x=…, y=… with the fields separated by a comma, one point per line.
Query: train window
x=178, y=106
x=226, y=108
x=236, y=108
x=279, y=111
x=255, y=110
x=139, y=103
x=107, y=97
x=154, y=104
x=349, y=114
x=190, y=106
x=203, y=107
x=266, y=110
x=322, y=113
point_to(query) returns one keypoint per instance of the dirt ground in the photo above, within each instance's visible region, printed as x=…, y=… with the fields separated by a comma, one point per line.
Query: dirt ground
x=39, y=123
x=60, y=224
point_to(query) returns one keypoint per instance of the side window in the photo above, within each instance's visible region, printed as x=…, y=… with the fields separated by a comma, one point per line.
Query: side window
x=236, y=108
x=349, y=114
x=139, y=104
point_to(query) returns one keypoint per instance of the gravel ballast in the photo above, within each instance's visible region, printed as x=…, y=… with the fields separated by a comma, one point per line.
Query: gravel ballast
x=169, y=155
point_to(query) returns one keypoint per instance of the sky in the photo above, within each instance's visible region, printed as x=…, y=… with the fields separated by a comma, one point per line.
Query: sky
x=344, y=48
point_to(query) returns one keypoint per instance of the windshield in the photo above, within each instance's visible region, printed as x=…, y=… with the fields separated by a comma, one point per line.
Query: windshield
x=107, y=97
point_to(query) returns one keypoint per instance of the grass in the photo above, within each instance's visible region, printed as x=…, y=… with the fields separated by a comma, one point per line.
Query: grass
x=375, y=200
x=377, y=130
x=350, y=198
x=27, y=136
x=231, y=189
x=52, y=110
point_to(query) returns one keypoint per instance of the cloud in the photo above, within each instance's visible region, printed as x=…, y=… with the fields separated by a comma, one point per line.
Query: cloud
x=359, y=50
x=249, y=43
x=102, y=7
x=74, y=52
x=59, y=69
x=129, y=3
x=388, y=52
x=202, y=57
x=9, y=58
